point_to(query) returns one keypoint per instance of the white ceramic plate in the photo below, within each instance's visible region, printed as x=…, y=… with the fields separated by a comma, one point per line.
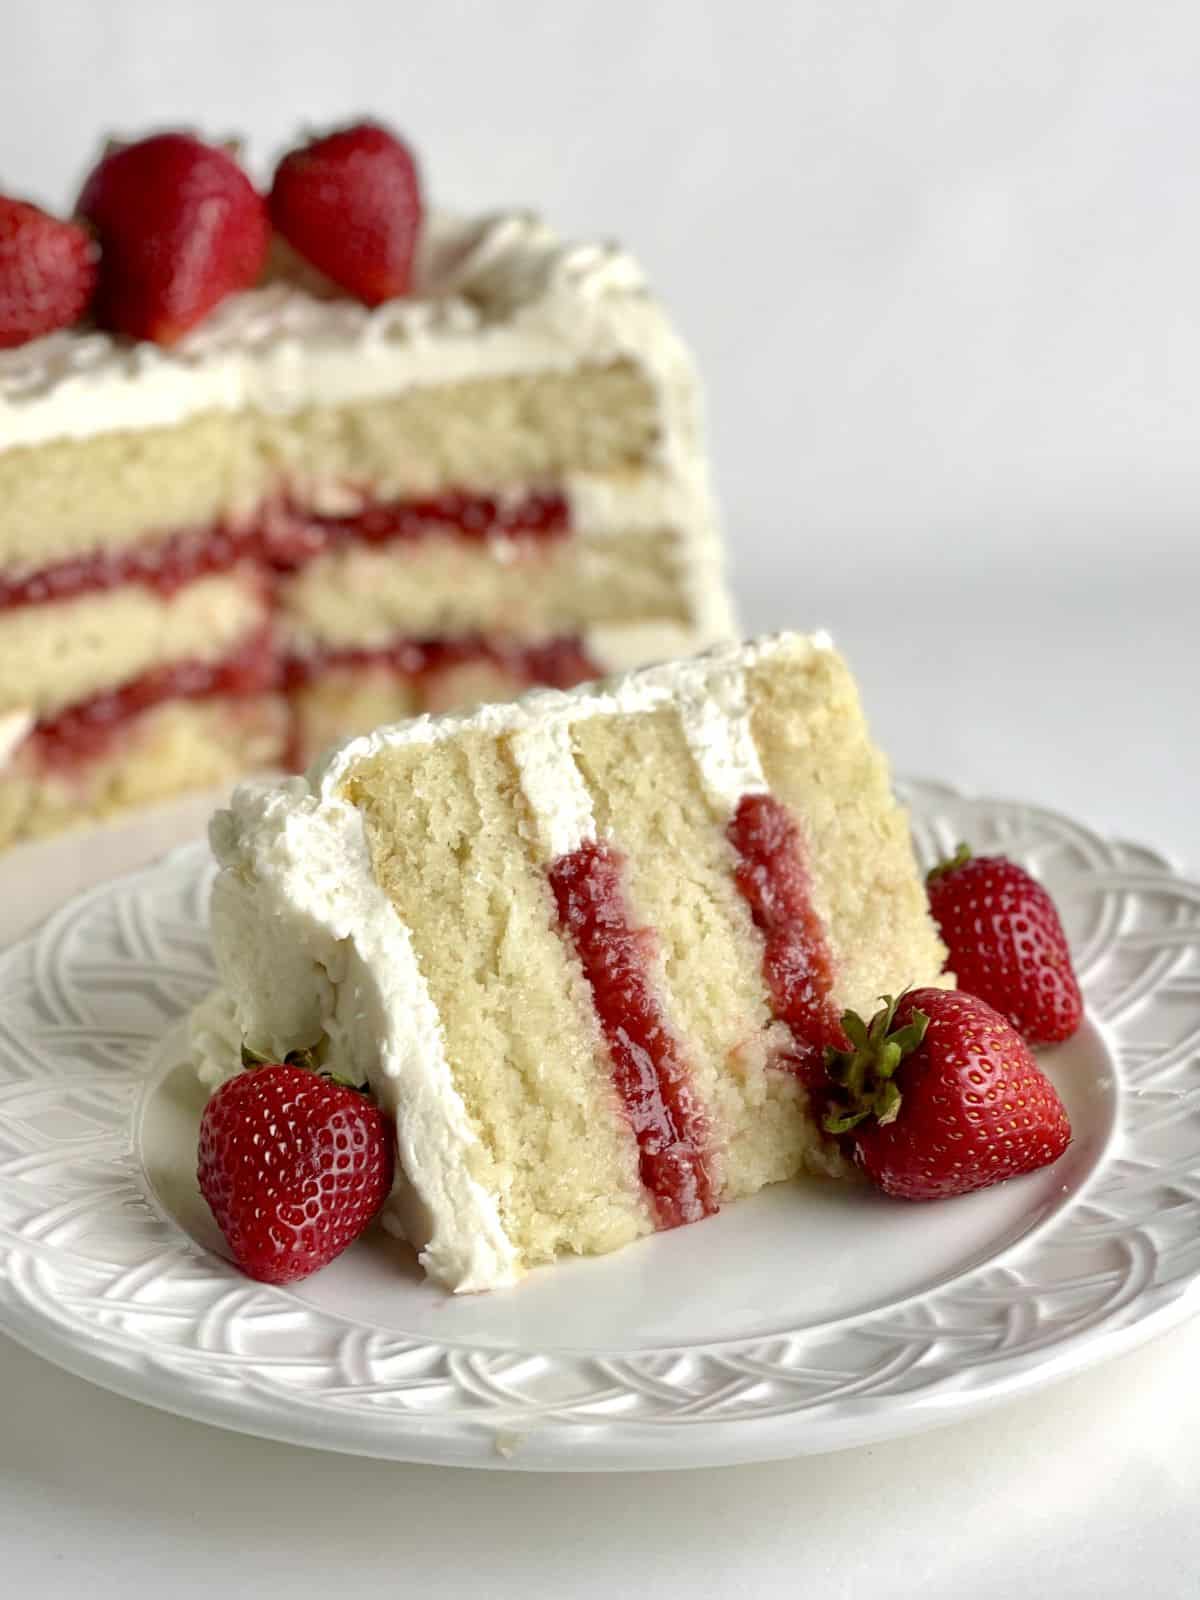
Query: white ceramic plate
x=811, y=1318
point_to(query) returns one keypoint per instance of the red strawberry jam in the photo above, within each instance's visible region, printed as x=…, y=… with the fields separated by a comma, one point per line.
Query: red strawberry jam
x=86, y=729
x=773, y=877
x=555, y=663
x=282, y=538
x=163, y=566
x=476, y=518
x=649, y=1069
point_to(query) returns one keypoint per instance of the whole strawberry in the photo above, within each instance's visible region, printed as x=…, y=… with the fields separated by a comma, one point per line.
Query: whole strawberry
x=47, y=272
x=180, y=228
x=293, y=1167
x=1006, y=943
x=350, y=204
x=941, y=1096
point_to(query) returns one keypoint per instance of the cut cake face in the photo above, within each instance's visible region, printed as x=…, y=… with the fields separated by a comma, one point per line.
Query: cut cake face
x=308, y=517
x=586, y=949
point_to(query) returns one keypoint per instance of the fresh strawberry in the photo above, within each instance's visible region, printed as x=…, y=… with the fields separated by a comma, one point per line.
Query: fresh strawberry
x=941, y=1096
x=294, y=1166
x=47, y=272
x=350, y=204
x=1006, y=943
x=180, y=227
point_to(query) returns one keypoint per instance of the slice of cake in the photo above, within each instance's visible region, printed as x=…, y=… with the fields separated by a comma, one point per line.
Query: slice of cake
x=586, y=949
x=307, y=514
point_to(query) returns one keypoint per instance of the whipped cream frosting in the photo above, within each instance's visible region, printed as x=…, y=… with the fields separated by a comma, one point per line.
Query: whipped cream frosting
x=492, y=296
x=554, y=788
x=311, y=952
x=716, y=724
x=15, y=726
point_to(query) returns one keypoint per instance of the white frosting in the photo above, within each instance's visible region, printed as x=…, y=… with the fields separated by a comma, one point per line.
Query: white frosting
x=15, y=726
x=215, y=1039
x=644, y=501
x=716, y=724
x=621, y=646
x=553, y=785
x=311, y=951
x=493, y=296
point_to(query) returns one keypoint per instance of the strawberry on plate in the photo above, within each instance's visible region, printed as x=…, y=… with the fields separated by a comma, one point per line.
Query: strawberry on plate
x=180, y=228
x=940, y=1096
x=293, y=1166
x=1006, y=943
x=47, y=272
x=350, y=204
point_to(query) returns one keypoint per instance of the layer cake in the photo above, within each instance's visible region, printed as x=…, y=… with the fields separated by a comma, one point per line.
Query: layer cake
x=308, y=516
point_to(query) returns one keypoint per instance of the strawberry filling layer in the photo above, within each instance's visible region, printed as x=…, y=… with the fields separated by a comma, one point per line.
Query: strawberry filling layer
x=556, y=663
x=553, y=664
x=772, y=875
x=282, y=537
x=88, y=729
x=649, y=1070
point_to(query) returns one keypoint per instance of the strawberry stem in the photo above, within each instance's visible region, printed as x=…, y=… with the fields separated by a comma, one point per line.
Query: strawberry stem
x=306, y=1058
x=863, y=1077
x=294, y=1058
x=950, y=864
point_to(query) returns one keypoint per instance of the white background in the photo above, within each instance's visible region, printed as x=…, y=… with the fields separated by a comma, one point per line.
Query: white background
x=940, y=265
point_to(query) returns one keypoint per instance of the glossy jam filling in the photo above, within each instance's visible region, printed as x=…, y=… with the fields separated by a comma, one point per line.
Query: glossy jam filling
x=87, y=729
x=556, y=663
x=553, y=664
x=774, y=880
x=649, y=1070
x=283, y=537
x=475, y=518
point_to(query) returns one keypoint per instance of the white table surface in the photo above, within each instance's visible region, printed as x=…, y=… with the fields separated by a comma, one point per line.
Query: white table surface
x=939, y=264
